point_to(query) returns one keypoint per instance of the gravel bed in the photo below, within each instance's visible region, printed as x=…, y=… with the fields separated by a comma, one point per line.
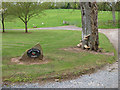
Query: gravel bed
x=105, y=78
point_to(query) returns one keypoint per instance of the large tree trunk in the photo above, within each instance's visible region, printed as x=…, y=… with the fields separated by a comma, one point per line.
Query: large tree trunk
x=3, y=27
x=89, y=25
x=113, y=12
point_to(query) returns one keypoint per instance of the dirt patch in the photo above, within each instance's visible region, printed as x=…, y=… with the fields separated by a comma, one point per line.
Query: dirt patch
x=78, y=50
x=17, y=61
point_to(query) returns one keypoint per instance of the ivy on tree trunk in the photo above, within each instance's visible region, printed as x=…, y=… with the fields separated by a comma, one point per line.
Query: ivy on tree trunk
x=89, y=25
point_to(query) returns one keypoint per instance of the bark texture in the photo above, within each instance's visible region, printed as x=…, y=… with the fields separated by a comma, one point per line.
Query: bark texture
x=113, y=12
x=89, y=25
x=3, y=26
x=26, y=31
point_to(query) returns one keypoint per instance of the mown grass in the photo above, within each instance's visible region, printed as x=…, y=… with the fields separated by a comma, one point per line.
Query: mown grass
x=55, y=17
x=16, y=42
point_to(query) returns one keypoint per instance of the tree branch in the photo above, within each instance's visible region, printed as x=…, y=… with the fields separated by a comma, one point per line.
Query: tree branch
x=21, y=19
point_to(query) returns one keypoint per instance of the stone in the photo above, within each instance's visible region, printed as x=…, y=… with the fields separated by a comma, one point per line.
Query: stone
x=79, y=45
x=26, y=57
x=56, y=80
x=65, y=22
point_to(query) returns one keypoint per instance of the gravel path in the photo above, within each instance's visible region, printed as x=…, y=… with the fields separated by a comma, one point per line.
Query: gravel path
x=103, y=78
x=106, y=78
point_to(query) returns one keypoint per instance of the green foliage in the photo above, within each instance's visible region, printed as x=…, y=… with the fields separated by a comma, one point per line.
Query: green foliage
x=4, y=10
x=104, y=6
x=68, y=6
x=4, y=13
x=19, y=77
x=107, y=6
x=26, y=10
x=117, y=6
x=65, y=5
x=51, y=41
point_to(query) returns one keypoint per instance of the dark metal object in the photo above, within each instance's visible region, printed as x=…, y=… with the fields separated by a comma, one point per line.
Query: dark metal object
x=33, y=53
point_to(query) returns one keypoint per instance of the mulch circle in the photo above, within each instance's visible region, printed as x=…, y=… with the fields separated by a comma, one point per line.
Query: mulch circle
x=18, y=61
x=79, y=50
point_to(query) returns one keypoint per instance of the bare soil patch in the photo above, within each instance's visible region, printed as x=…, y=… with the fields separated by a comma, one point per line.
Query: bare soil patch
x=17, y=61
x=79, y=50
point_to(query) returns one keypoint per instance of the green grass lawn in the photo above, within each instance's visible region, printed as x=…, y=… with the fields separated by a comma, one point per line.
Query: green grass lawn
x=16, y=42
x=55, y=17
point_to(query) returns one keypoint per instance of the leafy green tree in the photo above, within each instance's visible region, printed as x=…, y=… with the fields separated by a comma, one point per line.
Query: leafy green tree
x=68, y=6
x=104, y=6
x=117, y=6
x=4, y=14
x=27, y=10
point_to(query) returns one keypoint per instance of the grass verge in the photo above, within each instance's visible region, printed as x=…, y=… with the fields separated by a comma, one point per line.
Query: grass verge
x=55, y=17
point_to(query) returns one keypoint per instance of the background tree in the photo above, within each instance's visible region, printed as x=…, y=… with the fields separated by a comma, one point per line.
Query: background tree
x=108, y=6
x=26, y=10
x=117, y=6
x=4, y=14
x=89, y=25
x=104, y=6
x=68, y=5
x=113, y=12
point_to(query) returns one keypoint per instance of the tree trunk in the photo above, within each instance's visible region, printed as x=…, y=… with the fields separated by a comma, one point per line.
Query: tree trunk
x=3, y=23
x=113, y=12
x=89, y=25
x=26, y=31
